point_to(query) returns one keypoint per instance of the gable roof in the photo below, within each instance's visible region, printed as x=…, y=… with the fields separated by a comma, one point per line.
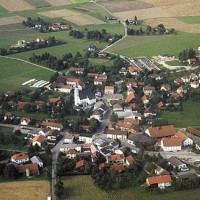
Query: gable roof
x=159, y=179
x=172, y=141
x=130, y=159
x=174, y=161
x=86, y=93
x=51, y=124
x=38, y=138
x=116, y=132
x=181, y=136
x=115, y=157
x=193, y=131
x=33, y=167
x=162, y=131
x=20, y=156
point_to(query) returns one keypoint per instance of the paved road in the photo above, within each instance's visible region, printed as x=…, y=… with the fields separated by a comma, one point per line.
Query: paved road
x=55, y=151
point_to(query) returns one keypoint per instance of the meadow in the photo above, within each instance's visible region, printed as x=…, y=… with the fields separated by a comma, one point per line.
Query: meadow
x=82, y=188
x=134, y=46
x=190, y=20
x=188, y=117
x=14, y=73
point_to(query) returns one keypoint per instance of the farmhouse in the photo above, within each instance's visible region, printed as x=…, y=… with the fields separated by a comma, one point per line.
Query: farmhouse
x=38, y=140
x=193, y=131
x=160, y=182
x=24, y=121
x=68, y=139
x=20, y=158
x=86, y=138
x=52, y=125
x=160, y=132
x=29, y=169
x=115, y=158
x=171, y=144
x=117, y=134
x=77, y=70
x=148, y=90
x=109, y=90
x=186, y=141
x=176, y=163
x=71, y=153
x=194, y=84
x=65, y=89
x=53, y=135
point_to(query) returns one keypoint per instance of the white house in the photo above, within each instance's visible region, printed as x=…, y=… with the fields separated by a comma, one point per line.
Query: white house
x=20, y=158
x=86, y=138
x=65, y=89
x=66, y=147
x=176, y=163
x=109, y=90
x=53, y=135
x=68, y=139
x=37, y=160
x=160, y=182
x=38, y=140
x=52, y=125
x=186, y=141
x=171, y=144
x=44, y=131
x=71, y=153
x=117, y=134
x=194, y=84
x=84, y=97
x=115, y=159
x=24, y=121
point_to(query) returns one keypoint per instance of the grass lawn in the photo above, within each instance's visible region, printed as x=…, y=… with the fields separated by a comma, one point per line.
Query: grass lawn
x=188, y=117
x=174, y=63
x=190, y=20
x=37, y=116
x=14, y=73
x=82, y=188
x=134, y=46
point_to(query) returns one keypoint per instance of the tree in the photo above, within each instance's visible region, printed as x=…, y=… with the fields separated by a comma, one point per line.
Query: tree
x=10, y=172
x=59, y=188
x=94, y=124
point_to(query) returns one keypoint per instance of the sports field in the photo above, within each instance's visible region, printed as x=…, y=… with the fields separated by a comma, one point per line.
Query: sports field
x=24, y=190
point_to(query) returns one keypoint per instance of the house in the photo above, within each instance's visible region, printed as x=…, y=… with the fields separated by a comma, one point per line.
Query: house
x=193, y=131
x=161, y=106
x=81, y=164
x=65, y=26
x=37, y=160
x=55, y=101
x=130, y=160
x=77, y=70
x=117, y=167
x=123, y=71
x=38, y=140
x=161, y=131
x=20, y=158
x=66, y=147
x=148, y=90
x=116, y=134
x=132, y=98
x=68, y=139
x=52, y=125
x=117, y=107
x=171, y=144
x=65, y=89
x=197, y=145
x=75, y=82
x=145, y=99
x=140, y=138
x=194, y=77
x=86, y=138
x=53, y=135
x=185, y=79
x=29, y=169
x=194, y=84
x=24, y=121
x=8, y=116
x=177, y=164
x=159, y=170
x=55, y=27
x=160, y=182
x=102, y=54
x=165, y=87
x=123, y=125
x=84, y=97
x=150, y=112
x=182, y=89
x=113, y=97
x=71, y=153
x=191, y=61
x=134, y=70
x=187, y=176
x=39, y=39
x=44, y=131
x=109, y=90
x=186, y=141
x=115, y=159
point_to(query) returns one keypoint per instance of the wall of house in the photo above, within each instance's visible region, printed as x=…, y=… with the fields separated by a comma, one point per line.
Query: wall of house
x=188, y=142
x=171, y=148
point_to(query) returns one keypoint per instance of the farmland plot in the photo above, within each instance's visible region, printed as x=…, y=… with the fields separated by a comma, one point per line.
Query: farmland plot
x=58, y=2
x=11, y=20
x=16, y=5
x=38, y=3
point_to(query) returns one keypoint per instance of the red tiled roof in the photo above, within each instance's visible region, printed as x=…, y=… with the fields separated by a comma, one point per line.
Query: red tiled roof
x=117, y=168
x=51, y=124
x=19, y=156
x=158, y=179
x=172, y=141
x=33, y=167
x=116, y=132
x=38, y=138
x=81, y=163
x=115, y=157
x=71, y=151
x=181, y=136
x=162, y=131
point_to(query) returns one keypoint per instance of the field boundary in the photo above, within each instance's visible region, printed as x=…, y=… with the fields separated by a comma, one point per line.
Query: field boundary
x=18, y=59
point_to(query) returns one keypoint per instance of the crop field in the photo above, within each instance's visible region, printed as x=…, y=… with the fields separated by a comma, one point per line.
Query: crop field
x=14, y=73
x=58, y=2
x=11, y=20
x=120, y=5
x=133, y=46
x=149, y=13
x=38, y=3
x=23, y=190
x=2, y=10
x=16, y=5
x=190, y=20
x=175, y=23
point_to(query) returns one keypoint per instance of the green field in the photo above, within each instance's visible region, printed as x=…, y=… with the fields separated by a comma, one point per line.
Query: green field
x=38, y=3
x=190, y=20
x=2, y=10
x=82, y=188
x=14, y=73
x=134, y=46
x=188, y=117
x=174, y=63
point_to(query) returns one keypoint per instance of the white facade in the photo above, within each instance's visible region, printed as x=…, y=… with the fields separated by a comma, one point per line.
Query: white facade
x=85, y=139
x=37, y=160
x=66, y=90
x=21, y=161
x=113, y=136
x=164, y=185
x=188, y=142
x=36, y=142
x=170, y=148
x=25, y=122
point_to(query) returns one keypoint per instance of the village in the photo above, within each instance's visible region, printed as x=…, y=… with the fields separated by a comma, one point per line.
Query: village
x=118, y=126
